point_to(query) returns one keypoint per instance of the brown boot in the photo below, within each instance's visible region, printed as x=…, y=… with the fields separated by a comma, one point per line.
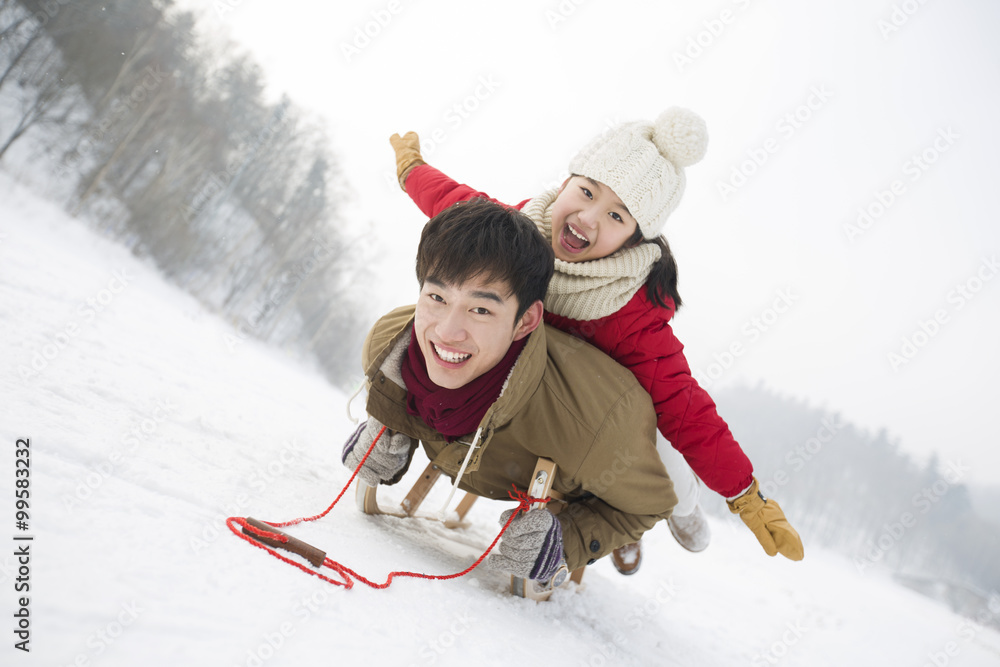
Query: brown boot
x=692, y=531
x=628, y=558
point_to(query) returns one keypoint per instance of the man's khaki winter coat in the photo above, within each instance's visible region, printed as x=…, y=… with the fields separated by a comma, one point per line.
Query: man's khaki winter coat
x=565, y=401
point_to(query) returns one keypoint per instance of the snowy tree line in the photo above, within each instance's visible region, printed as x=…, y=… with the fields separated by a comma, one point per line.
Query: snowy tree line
x=167, y=143
x=856, y=492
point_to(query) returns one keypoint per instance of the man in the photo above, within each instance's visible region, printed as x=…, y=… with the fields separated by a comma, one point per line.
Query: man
x=473, y=374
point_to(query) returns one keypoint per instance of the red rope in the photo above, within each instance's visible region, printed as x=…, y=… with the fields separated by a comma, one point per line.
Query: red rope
x=349, y=576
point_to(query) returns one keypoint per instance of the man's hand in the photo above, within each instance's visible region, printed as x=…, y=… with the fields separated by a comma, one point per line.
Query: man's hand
x=408, y=156
x=532, y=547
x=391, y=453
x=768, y=523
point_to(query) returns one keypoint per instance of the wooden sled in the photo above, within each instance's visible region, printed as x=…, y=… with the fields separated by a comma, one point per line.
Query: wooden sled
x=367, y=500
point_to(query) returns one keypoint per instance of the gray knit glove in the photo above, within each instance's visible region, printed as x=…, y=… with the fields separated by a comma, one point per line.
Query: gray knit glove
x=390, y=455
x=531, y=548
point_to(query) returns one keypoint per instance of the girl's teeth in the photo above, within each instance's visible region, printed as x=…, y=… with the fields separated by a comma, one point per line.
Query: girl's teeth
x=578, y=235
x=451, y=356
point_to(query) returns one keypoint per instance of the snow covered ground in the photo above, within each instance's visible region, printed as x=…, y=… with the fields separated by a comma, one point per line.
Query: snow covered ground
x=148, y=427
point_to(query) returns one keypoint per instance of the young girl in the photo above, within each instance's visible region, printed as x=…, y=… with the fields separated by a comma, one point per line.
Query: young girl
x=615, y=286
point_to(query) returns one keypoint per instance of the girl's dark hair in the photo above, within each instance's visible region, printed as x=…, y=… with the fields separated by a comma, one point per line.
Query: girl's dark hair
x=482, y=239
x=662, y=281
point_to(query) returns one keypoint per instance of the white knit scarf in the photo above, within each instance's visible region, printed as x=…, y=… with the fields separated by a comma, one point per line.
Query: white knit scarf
x=597, y=288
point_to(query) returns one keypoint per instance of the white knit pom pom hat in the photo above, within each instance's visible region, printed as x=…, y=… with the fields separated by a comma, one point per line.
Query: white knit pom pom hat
x=644, y=163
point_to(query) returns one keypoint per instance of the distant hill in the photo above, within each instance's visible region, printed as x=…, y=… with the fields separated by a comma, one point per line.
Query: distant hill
x=857, y=492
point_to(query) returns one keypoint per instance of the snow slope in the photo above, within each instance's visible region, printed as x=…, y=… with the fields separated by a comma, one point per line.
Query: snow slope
x=147, y=429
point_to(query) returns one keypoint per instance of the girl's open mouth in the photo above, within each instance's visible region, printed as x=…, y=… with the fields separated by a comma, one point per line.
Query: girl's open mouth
x=573, y=239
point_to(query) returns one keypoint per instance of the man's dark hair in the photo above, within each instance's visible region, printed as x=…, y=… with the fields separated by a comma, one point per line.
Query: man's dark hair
x=481, y=239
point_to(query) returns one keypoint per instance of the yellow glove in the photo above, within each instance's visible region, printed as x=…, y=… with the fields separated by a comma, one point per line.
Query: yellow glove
x=408, y=156
x=768, y=523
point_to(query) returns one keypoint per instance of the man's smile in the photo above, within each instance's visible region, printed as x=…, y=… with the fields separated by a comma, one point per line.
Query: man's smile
x=451, y=358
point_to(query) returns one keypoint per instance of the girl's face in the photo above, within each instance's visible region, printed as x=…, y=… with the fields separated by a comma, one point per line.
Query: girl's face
x=589, y=221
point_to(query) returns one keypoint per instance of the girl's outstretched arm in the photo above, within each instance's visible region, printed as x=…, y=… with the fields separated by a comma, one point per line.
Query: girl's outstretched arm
x=433, y=191
x=430, y=189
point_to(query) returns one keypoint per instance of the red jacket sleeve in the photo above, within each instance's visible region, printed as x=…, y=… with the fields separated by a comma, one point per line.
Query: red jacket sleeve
x=685, y=413
x=433, y=191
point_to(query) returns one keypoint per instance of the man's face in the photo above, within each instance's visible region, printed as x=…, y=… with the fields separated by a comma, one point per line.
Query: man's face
x=465, y=330
x=589, y=221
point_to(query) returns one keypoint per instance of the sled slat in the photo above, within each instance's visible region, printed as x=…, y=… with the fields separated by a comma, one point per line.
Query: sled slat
x=411, y=503
x=465, y=505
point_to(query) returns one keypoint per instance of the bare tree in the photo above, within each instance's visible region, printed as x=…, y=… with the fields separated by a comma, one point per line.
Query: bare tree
x=45, y=87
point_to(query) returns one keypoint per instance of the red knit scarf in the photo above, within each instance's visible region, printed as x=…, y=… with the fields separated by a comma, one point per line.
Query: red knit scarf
x=453, y=412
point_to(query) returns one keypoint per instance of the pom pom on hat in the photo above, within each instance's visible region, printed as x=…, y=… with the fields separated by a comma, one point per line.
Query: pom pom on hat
x=681, y=136
x=644, y=163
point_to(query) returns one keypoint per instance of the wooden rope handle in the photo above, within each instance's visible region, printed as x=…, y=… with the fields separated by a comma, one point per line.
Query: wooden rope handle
x=296, y=546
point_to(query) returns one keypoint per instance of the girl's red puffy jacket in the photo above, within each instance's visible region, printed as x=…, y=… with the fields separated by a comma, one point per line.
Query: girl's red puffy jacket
x=638, y=337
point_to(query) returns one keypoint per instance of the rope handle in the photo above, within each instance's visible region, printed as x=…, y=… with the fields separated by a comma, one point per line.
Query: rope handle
x=243, y=529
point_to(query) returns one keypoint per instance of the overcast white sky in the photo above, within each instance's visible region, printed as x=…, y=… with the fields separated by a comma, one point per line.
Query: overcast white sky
x=886, y=81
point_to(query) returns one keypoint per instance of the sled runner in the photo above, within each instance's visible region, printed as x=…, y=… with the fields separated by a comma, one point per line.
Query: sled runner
x=541, y=487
